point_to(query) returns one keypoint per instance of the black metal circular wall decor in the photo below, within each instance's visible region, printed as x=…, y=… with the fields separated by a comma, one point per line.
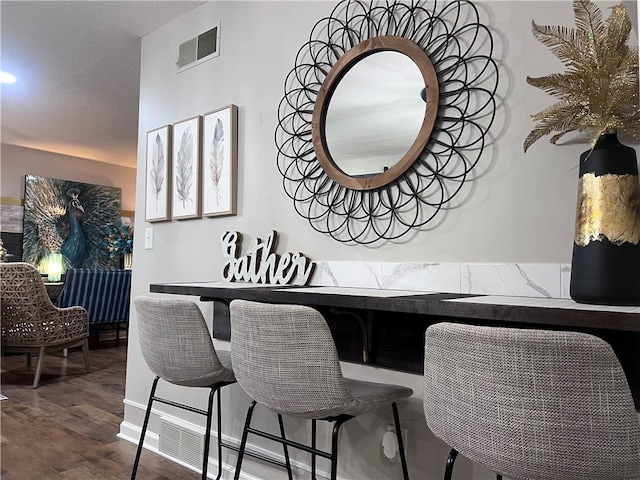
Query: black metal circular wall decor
x=337, y=174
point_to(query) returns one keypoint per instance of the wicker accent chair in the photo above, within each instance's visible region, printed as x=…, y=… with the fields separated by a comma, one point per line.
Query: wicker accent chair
x=177, y=347
x=284, y=357
x=31, y=324
x=530, y=404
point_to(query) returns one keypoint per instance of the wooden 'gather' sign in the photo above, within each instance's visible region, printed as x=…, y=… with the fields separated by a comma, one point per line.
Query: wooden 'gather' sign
x=261, y=264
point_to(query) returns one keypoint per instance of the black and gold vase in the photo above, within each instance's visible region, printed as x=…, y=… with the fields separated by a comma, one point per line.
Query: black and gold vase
x=605, y=268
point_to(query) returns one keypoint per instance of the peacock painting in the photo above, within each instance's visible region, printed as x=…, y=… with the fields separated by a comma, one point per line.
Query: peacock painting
x=71, y=218
x=74, y=247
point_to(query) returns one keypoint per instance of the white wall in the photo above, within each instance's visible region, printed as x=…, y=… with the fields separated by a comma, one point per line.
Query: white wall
x=521, y=209
x=20, y=161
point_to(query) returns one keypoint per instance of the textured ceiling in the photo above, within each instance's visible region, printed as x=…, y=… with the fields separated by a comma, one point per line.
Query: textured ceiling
x=78, y=69
x=77, y=64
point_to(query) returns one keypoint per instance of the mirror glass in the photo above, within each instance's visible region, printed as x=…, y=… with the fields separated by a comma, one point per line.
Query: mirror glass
x=375, y=113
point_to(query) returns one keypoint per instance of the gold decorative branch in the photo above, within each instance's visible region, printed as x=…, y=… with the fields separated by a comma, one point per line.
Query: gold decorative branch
x=599, y=90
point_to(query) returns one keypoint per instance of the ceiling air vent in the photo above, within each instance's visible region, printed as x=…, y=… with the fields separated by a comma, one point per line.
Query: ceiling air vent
x=199, y=49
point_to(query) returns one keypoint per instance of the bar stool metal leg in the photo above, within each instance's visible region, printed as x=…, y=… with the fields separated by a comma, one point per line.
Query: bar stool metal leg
x=243, y=442
x=284, y=447
x=448, y=471
x=207, y=436
x=313, y=446
x=451, y=460
x=334, y=444
x=403, y=458
x=219, y=418
x=145, y=424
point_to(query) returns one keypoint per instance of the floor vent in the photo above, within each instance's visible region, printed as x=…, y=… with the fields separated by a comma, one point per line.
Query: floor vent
x=181, y=442
x=199, y=49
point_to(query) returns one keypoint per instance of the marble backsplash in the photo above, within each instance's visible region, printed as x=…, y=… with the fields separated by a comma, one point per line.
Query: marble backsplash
x=544, y=280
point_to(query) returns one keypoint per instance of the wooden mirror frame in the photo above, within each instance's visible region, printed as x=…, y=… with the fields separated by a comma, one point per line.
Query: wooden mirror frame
x=337, y=73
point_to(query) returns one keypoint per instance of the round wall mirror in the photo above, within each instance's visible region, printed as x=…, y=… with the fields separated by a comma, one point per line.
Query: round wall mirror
x=375, y=112
x=372, y=144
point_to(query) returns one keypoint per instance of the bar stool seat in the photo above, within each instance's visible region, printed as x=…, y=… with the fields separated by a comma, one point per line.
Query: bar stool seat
x=177, y=347
x=530, y=404
x=285, y=359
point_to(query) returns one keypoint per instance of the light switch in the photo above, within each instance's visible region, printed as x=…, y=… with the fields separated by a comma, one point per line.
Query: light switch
x=148, y=238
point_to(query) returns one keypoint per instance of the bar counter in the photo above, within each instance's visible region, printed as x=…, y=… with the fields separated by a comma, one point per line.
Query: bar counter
x=385, y=328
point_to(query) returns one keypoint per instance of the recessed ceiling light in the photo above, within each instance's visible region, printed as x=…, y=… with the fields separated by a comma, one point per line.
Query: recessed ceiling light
x=6, y=77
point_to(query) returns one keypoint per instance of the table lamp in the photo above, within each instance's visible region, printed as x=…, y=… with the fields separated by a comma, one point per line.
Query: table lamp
x=54, y=267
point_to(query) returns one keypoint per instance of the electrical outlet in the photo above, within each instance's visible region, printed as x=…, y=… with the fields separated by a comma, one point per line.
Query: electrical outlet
x=390, y=445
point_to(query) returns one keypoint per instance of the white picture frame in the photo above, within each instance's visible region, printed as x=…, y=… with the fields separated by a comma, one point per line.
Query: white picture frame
x=158, y=174
x=185, y=169
x=220, y=162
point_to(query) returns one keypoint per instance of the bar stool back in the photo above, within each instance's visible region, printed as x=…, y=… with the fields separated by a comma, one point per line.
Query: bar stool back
x=530, y=403
x=284, y=357
x=177, y=347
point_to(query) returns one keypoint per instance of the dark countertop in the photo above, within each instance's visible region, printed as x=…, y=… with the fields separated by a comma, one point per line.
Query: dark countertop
x=540, y=311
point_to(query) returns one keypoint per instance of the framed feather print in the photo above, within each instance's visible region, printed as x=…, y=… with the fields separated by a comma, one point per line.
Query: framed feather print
x=220, y=161
x=185, y=169
x=158, y=180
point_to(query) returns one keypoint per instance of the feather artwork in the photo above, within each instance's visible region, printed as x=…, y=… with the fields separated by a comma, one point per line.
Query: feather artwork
x=184, y=168
x=44, y=211
x=599, y=90
x=216, y=158
x=157, y=169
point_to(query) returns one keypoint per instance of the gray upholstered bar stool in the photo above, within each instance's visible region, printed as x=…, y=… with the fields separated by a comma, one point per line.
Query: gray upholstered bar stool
x=531, y=404
x=177, y=346
x=284, y=357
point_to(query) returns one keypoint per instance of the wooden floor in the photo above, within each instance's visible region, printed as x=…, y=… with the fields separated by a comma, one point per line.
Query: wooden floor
x=66, y=428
